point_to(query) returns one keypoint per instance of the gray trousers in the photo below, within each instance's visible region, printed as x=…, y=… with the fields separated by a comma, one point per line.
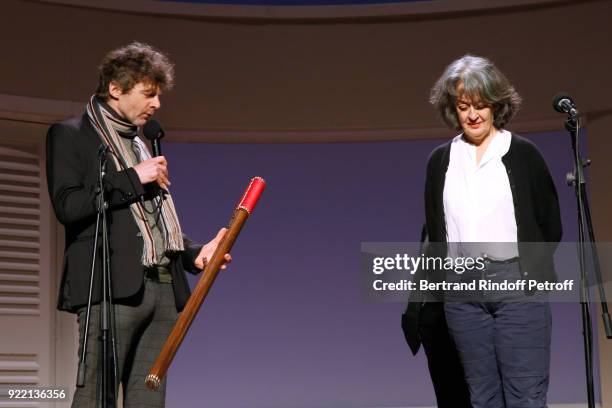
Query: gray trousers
x=503, y=341
x=141, y=332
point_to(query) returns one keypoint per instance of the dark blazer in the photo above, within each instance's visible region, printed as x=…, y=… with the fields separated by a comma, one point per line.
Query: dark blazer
x=72, y=178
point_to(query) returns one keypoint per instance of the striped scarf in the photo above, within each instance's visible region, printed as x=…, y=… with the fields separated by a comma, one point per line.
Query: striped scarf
x=108, y=127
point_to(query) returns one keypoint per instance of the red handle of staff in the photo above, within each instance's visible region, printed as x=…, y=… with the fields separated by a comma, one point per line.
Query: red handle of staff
x=243, y=210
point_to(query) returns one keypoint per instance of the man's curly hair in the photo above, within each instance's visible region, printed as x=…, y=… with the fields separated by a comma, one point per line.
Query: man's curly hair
x=134, y=63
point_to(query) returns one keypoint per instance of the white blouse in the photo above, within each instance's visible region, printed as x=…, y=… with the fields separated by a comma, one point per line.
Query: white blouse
x=478, y=204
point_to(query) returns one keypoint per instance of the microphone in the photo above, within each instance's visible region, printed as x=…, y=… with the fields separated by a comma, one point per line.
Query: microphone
x=153, y=131
x=563, y=103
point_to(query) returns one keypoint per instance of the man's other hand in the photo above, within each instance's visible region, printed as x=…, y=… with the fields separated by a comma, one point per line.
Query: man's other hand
x=208, y=250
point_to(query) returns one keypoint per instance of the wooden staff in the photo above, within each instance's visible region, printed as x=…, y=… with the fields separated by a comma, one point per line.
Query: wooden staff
x=243, y=210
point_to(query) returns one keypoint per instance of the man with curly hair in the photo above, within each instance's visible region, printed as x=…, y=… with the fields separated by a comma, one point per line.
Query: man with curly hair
x=148, y=251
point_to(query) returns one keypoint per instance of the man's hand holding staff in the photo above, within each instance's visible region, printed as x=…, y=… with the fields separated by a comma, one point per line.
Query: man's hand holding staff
x=243, y=210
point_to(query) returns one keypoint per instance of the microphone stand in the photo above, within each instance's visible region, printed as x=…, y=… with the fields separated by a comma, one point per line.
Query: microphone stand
x=107, y=317
x=586, y=238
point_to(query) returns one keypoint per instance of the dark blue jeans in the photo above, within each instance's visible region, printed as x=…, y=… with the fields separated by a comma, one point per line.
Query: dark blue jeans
x=503, y=340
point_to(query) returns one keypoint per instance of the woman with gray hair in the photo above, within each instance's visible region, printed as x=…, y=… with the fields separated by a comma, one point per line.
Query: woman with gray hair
x=492, y=187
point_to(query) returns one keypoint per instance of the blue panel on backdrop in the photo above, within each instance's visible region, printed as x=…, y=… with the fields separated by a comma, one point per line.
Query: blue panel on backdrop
x=286, y=325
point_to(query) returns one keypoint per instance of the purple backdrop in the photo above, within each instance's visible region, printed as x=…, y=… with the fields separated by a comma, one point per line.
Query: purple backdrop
x=287, y=326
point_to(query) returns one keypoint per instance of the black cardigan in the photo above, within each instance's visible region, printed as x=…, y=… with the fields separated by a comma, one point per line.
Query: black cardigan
x=536, y=209
x=536, y=206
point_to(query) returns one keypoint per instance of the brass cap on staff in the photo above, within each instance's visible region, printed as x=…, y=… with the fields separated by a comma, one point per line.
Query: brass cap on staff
x=152, y=382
